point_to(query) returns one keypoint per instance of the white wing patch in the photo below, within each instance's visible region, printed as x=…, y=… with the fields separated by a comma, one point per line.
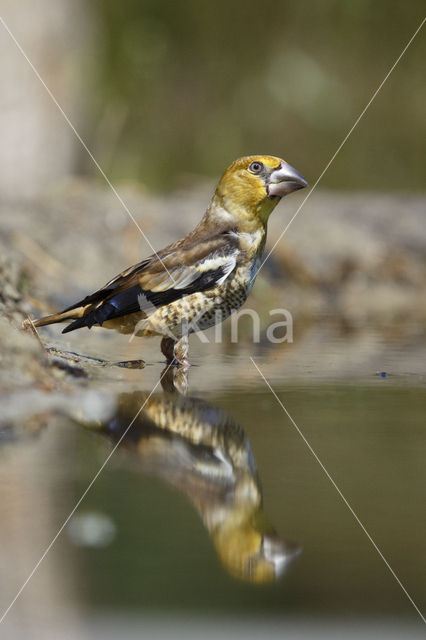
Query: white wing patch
x=228, y=267
x=189, y=274
x=183, y=276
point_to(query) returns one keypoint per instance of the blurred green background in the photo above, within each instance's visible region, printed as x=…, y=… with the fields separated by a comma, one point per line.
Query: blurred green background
x=164, y=93
x=179, y=89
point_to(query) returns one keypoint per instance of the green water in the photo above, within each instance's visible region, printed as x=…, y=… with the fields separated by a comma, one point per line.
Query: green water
x=371, y=442
x=177, y=469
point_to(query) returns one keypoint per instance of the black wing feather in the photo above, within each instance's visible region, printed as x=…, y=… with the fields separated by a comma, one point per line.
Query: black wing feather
x=108, y=289
x=137, y=299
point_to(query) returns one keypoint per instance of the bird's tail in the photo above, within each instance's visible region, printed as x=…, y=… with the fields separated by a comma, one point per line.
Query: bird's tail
x=72, y=314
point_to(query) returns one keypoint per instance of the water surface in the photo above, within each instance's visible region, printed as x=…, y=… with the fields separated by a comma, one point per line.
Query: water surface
x=214, y=508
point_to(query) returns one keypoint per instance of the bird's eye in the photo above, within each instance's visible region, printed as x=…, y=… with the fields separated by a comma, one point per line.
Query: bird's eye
x=256, y=167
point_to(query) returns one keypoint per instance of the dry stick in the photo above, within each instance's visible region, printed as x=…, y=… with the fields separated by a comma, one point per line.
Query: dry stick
x=29, y=324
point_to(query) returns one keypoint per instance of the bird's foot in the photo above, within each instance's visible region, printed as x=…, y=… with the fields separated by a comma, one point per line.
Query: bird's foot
x=182, y=364
x=174, y=380
x=180, y=380
x=180, y=352
x=176, y=351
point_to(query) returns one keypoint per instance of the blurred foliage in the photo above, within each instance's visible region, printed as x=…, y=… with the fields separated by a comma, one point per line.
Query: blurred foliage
x=182, y=88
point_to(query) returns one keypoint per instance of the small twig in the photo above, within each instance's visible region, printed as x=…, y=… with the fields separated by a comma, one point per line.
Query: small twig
x=100, y=362
x=29, y=324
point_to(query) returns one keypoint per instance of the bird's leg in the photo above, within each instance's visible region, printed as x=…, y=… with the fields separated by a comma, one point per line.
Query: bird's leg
x=167, y=348
x=167, y=379
x=174, y=380
x=180, y=379
x=180, y=351
x=176, y=351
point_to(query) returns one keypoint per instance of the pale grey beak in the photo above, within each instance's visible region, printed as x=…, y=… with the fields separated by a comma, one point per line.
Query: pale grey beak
x=279, y=552
x=284, y=180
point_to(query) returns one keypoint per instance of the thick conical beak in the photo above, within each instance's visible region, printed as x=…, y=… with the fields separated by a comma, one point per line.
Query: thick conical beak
x=279, y=552
x=284, y=180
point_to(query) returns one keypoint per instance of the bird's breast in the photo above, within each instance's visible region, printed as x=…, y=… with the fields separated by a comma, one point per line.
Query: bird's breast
x=251, y=243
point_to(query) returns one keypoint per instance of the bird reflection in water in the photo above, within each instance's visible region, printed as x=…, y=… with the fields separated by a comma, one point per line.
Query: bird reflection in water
x=201, y=451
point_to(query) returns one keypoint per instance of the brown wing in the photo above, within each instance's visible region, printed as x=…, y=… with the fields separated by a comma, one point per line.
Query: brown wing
x=182, y=270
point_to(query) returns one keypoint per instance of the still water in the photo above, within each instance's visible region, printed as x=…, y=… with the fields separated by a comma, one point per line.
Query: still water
x=213, y=517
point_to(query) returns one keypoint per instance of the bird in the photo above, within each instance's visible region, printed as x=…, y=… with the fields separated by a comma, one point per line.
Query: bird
x=199, y=280
x=201, y=451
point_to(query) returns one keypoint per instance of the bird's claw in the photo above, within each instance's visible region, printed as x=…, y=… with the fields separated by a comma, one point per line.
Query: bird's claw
x=184, y=364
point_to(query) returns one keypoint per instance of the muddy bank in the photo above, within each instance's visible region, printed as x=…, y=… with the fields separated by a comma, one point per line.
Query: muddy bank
x=356, y=256
x=359, y=260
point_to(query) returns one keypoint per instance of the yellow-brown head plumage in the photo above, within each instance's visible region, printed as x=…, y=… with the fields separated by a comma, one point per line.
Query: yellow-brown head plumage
x=249, y=187
x=248, y=551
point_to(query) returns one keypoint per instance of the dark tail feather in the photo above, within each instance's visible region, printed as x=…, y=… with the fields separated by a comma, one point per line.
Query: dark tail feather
x=97, y=316
x=77, y=324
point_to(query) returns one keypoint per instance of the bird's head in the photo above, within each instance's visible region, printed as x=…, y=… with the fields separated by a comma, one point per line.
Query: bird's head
x=250, y=553
x=253, y=185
